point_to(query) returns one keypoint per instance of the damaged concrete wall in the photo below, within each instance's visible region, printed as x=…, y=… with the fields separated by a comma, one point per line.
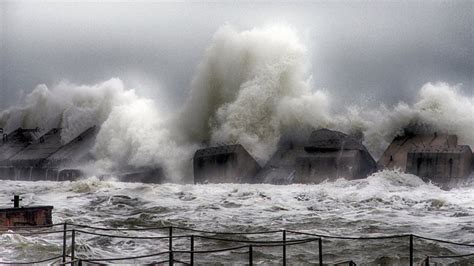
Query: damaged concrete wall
x=36, y=154
x=440, y=164
x=76, y=151
x=15, y=142
x=26, y=155
x=395, y=156
x=331, y=155
x=281, y=167
x=224, y=164
x=437, y=157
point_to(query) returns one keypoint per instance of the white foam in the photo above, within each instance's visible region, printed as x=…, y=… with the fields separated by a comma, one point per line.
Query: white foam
x=252, y=87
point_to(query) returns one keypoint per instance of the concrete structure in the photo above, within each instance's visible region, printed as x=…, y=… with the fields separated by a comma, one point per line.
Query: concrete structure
x=331, y=155
x=433, y=156
x=36, y=153
x=224, y=164
x=144, y=175
x=395, y=156
x=440, y=164
x=25, y=216
x=281, y=167
x=27, y=155
x=75, y=152
x=15, y=142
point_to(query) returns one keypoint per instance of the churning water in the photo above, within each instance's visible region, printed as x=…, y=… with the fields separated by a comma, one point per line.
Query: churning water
x=387, y=202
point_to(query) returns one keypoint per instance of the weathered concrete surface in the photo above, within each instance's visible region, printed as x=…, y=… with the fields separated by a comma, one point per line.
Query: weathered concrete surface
x=25, y=155
x=331, y=155
x=26, y=216
x=440, y=164
x=75, y=152
x=324, y=140
x=148, y=176
x=224, y=164
x=36, y=154
x=281, y=167
x=15, y=142
x=395, y=156
x=39, y=174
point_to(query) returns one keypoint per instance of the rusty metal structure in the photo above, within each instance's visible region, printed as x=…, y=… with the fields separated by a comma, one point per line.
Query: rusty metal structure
x=25, y=216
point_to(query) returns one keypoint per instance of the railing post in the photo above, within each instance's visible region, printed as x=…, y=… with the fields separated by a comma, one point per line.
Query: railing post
x=192, y=251
x=250, y=255
x=73, y=246
x=320, y=246
x=411, y=250
x=351, y=263
x=64, y=242
x=170, y=235
x=284, y=247
x=427, y=261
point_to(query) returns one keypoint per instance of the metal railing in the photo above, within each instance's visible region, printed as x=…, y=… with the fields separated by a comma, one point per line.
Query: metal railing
x=249, y=245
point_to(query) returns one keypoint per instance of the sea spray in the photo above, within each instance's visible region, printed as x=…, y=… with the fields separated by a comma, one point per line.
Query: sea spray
x=441, y=107
x=252, y=87
x=133, y=133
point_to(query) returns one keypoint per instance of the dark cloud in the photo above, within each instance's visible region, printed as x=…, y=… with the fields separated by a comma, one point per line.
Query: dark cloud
x=362, y=51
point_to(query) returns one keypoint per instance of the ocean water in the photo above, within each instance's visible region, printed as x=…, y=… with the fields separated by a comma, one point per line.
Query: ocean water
x=386, y=203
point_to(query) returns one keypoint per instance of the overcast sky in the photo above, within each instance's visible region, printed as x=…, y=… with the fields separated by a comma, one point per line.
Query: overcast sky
x=379, y=51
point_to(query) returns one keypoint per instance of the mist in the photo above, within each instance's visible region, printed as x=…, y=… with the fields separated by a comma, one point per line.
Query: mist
x=363, y=53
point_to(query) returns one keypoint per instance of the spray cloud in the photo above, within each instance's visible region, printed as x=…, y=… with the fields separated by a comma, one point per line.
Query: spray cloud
x=252, y=87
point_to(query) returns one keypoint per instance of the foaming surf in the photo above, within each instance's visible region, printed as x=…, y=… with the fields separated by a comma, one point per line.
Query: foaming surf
x=252, y=87
x=388, y=202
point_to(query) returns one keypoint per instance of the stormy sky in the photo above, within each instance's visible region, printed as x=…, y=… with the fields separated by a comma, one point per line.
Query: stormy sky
x=360, y=51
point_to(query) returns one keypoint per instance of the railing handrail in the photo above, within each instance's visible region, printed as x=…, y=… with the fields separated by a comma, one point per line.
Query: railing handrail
x=444, y=241
x=251, y=243
x=450, y=256
x=131, y=237
x=33, y=262
x=215, y=232
x=351, y=237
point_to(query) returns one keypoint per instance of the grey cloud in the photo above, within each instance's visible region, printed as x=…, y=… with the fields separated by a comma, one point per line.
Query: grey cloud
x=381, y=51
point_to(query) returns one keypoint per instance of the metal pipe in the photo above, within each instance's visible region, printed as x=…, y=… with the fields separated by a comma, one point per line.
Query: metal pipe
x=427, y=261
x=192, y=251
x=250, y=255
x=320, y=246
x=73, y=245
x=170, y=235
x=64, y=242
x=411, y=250
x=284, y=247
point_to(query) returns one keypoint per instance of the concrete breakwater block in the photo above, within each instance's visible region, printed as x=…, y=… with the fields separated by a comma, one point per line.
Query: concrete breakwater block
x=440, y=164
x=330, y=155
x=224, y=164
